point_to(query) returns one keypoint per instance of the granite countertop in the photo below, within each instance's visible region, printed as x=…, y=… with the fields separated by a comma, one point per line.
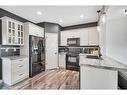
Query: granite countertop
x=14, y=57
x=105, y=63
x=63, y=53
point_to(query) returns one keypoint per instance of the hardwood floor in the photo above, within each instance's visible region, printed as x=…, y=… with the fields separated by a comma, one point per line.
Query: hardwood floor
x=52, y=79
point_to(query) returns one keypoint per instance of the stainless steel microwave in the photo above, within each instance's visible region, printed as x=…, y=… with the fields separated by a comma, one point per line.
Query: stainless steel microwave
x=73, y=41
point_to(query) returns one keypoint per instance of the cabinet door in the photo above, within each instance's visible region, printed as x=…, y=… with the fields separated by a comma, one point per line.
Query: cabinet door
x=83, y=37
x=9, y=32
x=36, y=30
x=93, y=36
x=62, y=62
x=20, y=34
x=40, y=31
x=64, y=36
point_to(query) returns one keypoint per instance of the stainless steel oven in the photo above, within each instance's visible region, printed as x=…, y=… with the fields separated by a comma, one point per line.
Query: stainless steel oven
x=73, y=41
x=72, y=59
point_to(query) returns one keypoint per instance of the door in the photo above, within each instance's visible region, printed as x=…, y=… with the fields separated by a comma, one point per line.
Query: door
x=51, y=50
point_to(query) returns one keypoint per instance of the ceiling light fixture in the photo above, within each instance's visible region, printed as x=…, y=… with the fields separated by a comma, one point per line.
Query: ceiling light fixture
x=125, y=11
x=81, y=16
x=39, y=13
x=60, y=20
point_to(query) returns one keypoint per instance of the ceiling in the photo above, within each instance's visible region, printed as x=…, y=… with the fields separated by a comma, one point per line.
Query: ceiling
x=116, y=12
x=69, y=15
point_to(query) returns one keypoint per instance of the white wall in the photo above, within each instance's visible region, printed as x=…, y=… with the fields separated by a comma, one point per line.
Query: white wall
x=116, y=34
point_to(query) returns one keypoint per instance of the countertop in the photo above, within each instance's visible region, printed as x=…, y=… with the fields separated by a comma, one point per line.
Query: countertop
x=105, y=63
x=14, y=57
x=62, y=53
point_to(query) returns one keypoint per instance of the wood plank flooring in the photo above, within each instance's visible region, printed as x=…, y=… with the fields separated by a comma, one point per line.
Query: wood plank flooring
x=52, y=79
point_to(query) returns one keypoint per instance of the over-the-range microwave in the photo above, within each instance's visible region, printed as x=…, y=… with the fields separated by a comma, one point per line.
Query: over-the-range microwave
x=73, y=41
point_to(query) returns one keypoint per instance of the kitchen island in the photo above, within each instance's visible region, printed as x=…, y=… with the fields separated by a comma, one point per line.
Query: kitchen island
x=99, y=73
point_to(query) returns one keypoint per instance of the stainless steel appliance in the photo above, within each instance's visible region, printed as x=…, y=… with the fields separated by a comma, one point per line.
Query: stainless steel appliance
x=72, y=59
x=73, y=41
x=36, y=55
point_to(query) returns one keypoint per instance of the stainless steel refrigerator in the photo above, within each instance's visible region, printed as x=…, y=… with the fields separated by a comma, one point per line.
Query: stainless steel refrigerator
x=36, y=55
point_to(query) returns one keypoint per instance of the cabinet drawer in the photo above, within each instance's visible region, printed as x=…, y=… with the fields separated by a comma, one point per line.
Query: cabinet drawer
x=18, y=76
x=19, y=64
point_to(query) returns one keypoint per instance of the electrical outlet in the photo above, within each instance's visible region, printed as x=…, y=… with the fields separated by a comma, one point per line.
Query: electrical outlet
x=6, y=49
x=14, y=49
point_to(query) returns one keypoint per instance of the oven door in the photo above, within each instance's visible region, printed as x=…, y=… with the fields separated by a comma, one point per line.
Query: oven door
x=74, y=59
x=72, y=62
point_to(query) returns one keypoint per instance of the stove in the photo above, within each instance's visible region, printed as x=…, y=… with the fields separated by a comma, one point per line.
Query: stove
x=72, y=59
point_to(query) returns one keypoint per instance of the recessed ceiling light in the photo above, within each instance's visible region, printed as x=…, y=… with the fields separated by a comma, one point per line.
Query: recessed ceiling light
x=60, y=20
x=39, y=13
x=81, y=16
x=125, y=11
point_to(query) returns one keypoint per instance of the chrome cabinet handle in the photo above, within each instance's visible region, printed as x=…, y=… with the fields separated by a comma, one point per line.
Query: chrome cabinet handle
x=56, y=53
x=20, y=60
x=20, y=74
x=21, y=66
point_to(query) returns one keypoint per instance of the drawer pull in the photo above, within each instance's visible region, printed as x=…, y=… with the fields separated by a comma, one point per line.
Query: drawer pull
x=20, y=60
x=21, y=66
x=20, y=74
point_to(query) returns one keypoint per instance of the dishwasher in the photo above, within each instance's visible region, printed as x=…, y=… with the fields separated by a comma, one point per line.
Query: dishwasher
x=1, y=81
x=122, y=79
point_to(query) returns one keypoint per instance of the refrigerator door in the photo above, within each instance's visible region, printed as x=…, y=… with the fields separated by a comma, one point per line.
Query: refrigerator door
x=37, y=55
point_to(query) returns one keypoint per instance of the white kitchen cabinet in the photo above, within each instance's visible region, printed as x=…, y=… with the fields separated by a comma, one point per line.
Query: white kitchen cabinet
x=62, y=60
x=88, y=36
x=67, y=34
x=83, y=36
x=64, y=36
x=35, y=30
x=15, y=70
x=12, y=32
x=93, y=36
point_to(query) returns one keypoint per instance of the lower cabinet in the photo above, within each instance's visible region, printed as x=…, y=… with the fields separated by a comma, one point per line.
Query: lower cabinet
x=15, y=70
x=62, y=60
x=92, y=78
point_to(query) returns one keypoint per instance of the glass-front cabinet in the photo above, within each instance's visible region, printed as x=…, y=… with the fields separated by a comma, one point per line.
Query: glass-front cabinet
x=12, y=32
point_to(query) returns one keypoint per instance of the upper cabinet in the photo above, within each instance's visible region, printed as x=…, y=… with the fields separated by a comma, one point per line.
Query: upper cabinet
x=64, y=36
x=93, y=36
x=12, y=32
x=35, y=30
x=88, y=36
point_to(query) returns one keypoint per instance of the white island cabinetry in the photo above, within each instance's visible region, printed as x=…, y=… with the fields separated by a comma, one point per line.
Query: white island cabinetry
x=95, y=78
x=99, y=73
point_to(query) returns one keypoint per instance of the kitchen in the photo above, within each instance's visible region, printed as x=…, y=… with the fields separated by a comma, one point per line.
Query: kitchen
x=52, y=54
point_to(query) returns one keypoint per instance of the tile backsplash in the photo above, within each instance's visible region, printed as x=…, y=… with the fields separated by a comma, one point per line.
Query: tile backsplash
x=9, y=50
